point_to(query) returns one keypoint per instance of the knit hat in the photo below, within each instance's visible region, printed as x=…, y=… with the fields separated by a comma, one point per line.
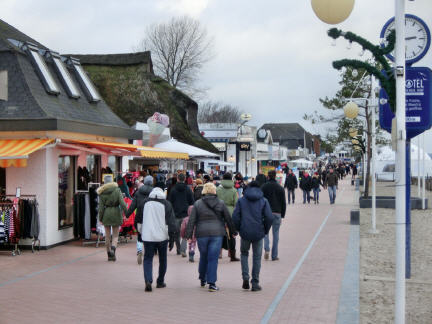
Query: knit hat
x=148, y=180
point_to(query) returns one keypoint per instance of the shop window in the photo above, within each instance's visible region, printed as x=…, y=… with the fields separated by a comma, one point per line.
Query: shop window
x=66, y=176
x=94, y=168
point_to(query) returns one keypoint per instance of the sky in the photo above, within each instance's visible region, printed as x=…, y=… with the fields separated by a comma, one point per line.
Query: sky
x=272, y=58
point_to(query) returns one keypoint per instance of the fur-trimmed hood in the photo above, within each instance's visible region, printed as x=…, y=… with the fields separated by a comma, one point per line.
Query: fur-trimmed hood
x=107, y=188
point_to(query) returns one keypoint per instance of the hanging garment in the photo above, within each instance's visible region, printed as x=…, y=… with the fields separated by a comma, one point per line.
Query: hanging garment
x=87, y=228
x=35, y=225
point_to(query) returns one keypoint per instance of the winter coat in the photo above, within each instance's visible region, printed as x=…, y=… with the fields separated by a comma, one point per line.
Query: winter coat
x=198, y=192
x=291, y=181
x=110, y=204
x=306, y=183
x=252, y=215
x=138, y=201
x=157, y=222
x=275, y=195
x=316, y=182
x=228, y=194
x=332, y=179
x=209, y=215
x=181, y=198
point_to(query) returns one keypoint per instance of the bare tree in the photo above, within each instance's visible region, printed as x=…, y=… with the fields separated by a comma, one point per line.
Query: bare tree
x=180, y=48
x=217, y=112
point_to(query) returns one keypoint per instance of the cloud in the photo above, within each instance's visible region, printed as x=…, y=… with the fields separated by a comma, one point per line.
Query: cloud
x=183, y=7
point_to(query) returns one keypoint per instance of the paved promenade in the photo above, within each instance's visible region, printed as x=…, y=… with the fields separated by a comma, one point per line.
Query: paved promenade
x=75, y=284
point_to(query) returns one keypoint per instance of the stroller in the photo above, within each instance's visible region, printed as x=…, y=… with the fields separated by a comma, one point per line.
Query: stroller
x=127, y=229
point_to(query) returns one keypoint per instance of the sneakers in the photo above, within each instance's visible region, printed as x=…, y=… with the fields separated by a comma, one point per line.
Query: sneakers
x=275, y=259
x=148, y=286
x=246, y=284
x=183, y=254
x=161, y=285
x=256, y=287
x=191, y=257
x=213, y=287
x=203, y=283
x=266, y=255
x=139, y=257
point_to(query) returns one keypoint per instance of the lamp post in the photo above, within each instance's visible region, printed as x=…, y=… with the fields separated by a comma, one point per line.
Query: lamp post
x=332, y=11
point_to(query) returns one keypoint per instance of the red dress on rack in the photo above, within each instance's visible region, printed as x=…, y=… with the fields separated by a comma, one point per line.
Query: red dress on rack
x=128, y=223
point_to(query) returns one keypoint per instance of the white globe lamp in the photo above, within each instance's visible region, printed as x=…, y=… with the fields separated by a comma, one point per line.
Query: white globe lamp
x=351, y=110
x=332, y=11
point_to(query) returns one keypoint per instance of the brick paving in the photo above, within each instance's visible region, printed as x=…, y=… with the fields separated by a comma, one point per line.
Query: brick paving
x=75, y=284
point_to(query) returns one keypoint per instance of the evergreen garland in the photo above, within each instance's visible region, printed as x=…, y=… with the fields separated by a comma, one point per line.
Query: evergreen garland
x=386, y=79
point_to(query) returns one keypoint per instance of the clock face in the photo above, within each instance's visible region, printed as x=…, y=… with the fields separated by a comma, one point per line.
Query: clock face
x=262, y=133
x=417, y=38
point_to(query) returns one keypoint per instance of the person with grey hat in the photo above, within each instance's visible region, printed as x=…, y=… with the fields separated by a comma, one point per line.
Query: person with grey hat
x=138, y=204
x=110, y=204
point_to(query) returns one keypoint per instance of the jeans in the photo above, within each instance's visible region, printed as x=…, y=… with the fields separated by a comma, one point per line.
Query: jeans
x=306, y=196
x=316, y=192
x=115, y=235
x=139, y=247
x=332, y=194
x=240, y=192
x=209, y=248
x=149, y=250
x=181, y=247
x=256, y=259
x=291, y=192
x=275, y=231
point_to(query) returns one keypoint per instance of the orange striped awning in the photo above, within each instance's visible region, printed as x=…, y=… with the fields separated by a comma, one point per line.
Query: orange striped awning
x=15, y=152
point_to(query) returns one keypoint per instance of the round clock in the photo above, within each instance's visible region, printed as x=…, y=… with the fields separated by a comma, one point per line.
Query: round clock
x=417, y=38
x=262, y=133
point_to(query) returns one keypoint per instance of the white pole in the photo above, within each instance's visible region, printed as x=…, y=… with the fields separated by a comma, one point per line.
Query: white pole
x=424, y=173
x=400, y=161
x=373, y=170
x=418, y=166
x=365, y=162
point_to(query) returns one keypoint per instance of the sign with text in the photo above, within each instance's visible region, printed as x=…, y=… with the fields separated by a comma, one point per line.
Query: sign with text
x=244, y=146
x=418, y=107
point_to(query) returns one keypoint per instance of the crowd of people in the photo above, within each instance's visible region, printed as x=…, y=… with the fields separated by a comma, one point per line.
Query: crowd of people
x=210, y=212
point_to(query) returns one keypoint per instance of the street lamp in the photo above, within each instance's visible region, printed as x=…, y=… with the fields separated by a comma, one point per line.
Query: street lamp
x=353, y=132
x=332, y=11
x=351, y=110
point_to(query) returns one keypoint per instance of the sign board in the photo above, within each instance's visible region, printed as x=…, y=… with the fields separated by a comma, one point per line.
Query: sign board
x=418, y=108
x=244, y=146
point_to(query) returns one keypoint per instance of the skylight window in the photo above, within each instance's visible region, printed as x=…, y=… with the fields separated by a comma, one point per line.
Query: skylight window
x=65, y=77
x=42, y=70
x=85, y=82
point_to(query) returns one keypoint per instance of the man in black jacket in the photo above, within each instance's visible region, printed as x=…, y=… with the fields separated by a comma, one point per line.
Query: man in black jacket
x=291, y=185
x=181, y=198
x=306, y=186
x=275, y=195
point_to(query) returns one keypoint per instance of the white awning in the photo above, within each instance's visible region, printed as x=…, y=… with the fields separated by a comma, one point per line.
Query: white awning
x=216, y=162
x=175, y=146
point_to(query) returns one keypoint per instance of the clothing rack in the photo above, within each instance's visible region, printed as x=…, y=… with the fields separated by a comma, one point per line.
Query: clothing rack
x=16, y=250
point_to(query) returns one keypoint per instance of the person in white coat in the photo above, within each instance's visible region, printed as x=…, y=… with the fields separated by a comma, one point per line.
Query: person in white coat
x=156, y=225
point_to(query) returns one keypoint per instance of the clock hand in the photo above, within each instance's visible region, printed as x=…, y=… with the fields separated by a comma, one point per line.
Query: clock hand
x=412, y=37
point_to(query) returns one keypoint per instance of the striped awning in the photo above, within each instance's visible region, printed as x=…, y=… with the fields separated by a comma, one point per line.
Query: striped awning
x=144, y=151
x=15, y=152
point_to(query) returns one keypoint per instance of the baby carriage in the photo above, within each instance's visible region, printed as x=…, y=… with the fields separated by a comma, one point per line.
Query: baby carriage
x=127, y=229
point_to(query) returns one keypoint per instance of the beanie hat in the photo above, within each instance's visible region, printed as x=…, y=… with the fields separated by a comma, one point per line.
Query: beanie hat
x=148, y=180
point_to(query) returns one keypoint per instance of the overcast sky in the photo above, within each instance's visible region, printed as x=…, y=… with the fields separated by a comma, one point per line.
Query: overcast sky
x=273, y=58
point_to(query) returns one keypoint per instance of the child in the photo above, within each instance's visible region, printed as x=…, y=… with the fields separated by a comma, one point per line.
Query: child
x=192, y=242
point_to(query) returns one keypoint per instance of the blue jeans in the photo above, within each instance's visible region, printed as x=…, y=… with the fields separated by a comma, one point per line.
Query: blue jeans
x=139, y=246
x=306, y=196
x=275, y=231
x=291, y=192
x=332, y=194
x=149, y=250
x=316, y=192
x=256, y=259
x=209, y=248
x=240, y=192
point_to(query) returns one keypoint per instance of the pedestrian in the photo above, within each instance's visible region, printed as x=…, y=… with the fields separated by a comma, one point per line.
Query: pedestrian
x=354, y=171
x=227, y=193
x=316, y=183
x=110, y=204
x=291, y=184
x=275, y=195
x=252, y=218
x=261, y=179
x=209, y=216
x=332, y=185
x=306, y=186
x=198, y=189
x=192, y=241
x=137, y=204
x=239, y=183
x=181, y=198
x=156, y=225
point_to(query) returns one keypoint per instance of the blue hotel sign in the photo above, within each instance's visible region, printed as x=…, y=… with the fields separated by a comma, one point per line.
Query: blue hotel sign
x=418, y=102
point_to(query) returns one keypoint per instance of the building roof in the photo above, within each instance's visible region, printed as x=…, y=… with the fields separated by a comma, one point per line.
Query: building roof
x=32, y=108
x=115, y=59
x=285, y=131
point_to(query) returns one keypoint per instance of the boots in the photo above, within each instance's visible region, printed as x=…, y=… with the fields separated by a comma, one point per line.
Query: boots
x=232, y=254
x=113, y=249
x=110, y=256
x=191, y=256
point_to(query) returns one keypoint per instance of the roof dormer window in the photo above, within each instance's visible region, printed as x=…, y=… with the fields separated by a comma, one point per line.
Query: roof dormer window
x=84, y=80
x=64, y=76
x=42, y=69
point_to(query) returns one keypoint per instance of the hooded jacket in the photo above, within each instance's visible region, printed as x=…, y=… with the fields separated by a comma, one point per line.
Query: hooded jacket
x=291, y=181
x=139, y=199
x=209, y=215
x=228, y=194
x=181, y=198
x=110, y=204
x=252, y=215
x=275, y=195
x=157, y=222
x=306, y=183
